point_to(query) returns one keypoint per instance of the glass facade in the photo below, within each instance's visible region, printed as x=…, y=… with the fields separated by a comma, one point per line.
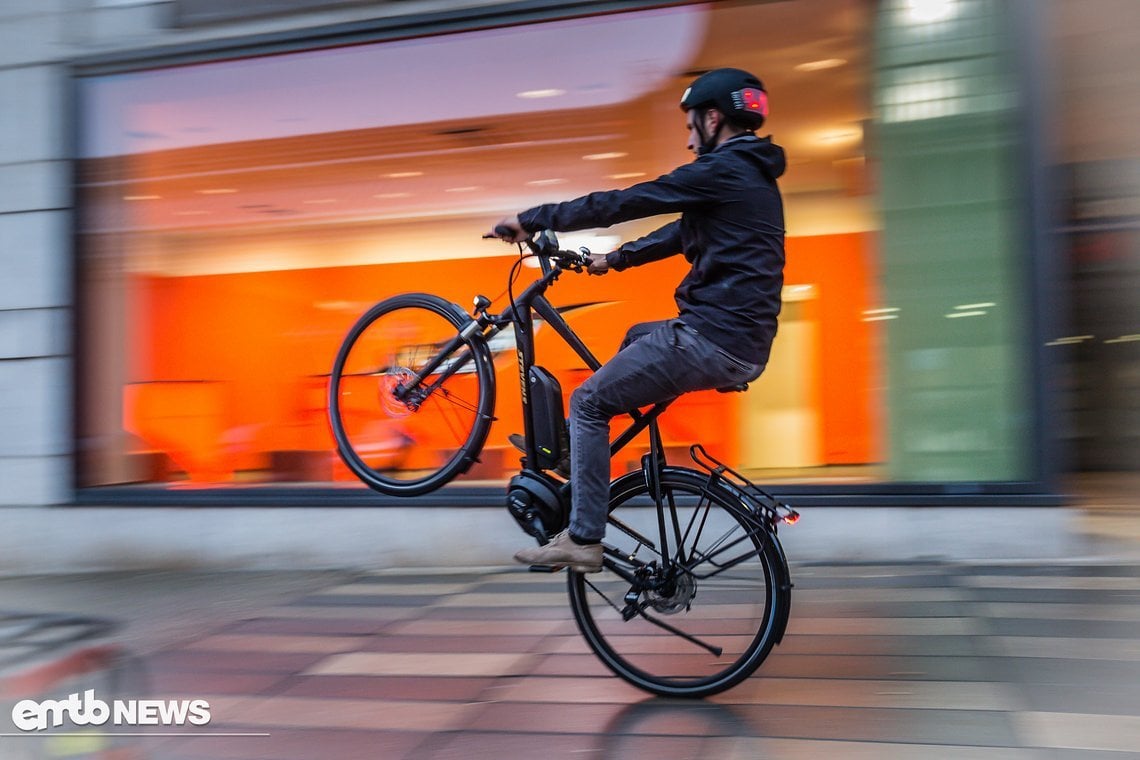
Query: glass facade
x=238, y=215
x=954, y=262
x=1097, y=152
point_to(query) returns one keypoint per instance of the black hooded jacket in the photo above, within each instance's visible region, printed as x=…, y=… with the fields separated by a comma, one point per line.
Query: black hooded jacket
x=731, y=231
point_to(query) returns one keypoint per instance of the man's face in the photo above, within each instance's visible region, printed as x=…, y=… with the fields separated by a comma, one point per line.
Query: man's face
x=691, y=121
x=697, y=120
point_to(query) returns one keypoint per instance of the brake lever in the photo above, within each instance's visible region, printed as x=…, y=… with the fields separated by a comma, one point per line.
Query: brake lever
x=575, y=261
x=582, y=259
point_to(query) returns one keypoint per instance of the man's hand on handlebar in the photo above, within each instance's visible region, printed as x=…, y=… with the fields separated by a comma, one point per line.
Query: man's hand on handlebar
x=546, y=244
x=510, y=230
x=598, y=264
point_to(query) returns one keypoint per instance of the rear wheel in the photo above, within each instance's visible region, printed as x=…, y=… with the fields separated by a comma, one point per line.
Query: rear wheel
x=704, y=624
x=410, y=399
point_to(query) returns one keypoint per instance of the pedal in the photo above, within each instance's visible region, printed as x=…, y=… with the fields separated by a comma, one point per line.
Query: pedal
x=546, y=568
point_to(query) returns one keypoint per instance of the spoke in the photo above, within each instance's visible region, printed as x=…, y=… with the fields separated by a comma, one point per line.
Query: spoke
x=719, y=546
x=702, y=510
x=677, y=631
x=718, y=550
x=639, y=538
x=457, y=435
x=598, y=591
x=458, y=402
x=697, y=556
x=640, y=609
x=457, y=405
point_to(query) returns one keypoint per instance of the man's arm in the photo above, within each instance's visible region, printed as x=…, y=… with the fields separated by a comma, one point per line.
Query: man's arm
x=659, y=244
x=689, y=186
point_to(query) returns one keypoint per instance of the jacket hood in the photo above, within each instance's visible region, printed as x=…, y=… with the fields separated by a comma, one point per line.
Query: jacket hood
x=761, y=150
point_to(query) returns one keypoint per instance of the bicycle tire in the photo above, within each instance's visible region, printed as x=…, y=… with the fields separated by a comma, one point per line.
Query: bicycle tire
x=411, y=445
x=742, y=609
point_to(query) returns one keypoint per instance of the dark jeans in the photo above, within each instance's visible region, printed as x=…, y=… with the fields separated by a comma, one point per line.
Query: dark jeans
x=657, y=361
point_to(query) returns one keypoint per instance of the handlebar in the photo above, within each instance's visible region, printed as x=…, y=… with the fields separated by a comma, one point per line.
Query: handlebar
x=544, y=245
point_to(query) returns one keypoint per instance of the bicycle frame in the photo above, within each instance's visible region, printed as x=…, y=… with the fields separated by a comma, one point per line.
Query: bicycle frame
x=521, y=315
x=533, y=301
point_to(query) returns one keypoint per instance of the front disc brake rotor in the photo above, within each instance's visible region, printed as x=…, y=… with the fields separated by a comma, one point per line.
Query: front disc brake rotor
x=390, y=382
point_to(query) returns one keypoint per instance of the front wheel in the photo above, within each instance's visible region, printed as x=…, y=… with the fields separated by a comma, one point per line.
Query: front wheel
x=704, y=622
x=411, y=398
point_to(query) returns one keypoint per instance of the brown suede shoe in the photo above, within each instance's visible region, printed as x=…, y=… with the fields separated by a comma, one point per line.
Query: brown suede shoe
x=563, y=552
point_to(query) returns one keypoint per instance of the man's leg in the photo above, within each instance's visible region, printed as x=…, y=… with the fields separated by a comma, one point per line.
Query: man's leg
x=668, y=361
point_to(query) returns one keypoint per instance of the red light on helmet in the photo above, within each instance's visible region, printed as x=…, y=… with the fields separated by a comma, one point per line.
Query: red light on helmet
x=751, y=99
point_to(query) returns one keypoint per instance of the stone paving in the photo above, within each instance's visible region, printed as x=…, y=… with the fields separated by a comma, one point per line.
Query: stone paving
x=938, y=660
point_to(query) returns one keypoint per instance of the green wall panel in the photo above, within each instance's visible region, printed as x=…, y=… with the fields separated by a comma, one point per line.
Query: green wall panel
x=954, y=255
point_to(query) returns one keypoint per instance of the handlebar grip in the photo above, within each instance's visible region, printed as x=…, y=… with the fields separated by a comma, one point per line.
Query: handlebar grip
x=500, y=232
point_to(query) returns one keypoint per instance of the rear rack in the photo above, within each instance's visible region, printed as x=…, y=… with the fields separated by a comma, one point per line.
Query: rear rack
x=758, y=500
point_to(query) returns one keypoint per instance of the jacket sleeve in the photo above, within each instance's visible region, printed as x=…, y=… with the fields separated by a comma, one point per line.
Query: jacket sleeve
x=687, y=187
x=657, y=245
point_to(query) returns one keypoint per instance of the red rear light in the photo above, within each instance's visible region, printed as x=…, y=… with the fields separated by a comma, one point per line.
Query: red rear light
x=753, y=99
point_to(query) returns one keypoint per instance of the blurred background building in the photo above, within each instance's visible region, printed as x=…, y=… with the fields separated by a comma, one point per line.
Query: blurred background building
x=197, y=198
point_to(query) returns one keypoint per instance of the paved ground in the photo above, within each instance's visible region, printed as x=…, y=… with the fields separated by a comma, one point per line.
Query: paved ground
x=991, y=660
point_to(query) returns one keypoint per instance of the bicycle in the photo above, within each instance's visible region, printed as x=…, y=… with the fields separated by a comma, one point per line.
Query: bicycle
x=416, y=363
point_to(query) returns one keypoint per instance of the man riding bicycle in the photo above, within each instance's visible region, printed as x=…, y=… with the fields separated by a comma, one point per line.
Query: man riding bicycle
x=731, y=231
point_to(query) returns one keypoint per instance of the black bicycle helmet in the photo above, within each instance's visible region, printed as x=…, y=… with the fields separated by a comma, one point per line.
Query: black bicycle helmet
x=740, y=96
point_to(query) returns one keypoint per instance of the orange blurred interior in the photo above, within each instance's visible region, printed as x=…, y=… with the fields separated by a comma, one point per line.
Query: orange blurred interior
x=231, y=373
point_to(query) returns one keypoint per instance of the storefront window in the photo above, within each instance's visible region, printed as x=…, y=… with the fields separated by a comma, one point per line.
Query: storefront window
x=237, y=216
